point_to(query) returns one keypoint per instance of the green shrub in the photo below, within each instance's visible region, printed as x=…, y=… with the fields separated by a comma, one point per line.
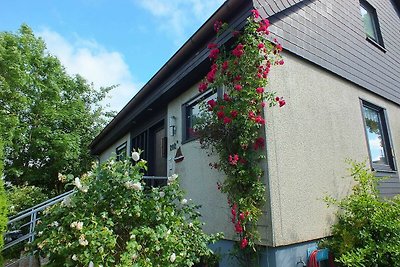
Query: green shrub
x=23, y=197
x=114, y=220
x=367, y=231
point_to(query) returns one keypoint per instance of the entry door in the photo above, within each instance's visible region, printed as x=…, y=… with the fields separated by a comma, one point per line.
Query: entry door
x=160, y=153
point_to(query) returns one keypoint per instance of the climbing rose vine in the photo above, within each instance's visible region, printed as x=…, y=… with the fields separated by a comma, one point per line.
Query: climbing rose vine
x=233, y=124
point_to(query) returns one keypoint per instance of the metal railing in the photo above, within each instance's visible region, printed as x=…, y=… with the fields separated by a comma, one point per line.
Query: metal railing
x=26, y=231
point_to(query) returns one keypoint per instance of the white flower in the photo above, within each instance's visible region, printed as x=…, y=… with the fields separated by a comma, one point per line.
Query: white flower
x=66, y=201
x=73, y=224
x=84, y=189
x=137, y=186
x=162, y=194
x=74, y=257
x=79, y=226
x=128, y=184
x=77, y=183
x=83, y=241
x=55, y=224
x=184, y=201
x=135, y=156
x=172, y=257
x=91, y=264
x=190, y=225
x=172, y=178
x=40, y=233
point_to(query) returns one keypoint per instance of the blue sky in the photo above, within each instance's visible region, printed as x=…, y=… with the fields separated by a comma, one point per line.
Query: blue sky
x=110, y=42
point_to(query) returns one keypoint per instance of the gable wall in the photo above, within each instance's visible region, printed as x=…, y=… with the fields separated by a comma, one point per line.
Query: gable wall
x=331, y=34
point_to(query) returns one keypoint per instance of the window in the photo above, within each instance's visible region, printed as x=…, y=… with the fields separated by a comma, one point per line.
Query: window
x=191, y=112
x=371, y=24
x=377, y=134
x=121, y=152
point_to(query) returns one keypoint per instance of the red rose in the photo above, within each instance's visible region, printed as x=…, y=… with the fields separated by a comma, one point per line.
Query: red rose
x=212, y=103
x=227, y=120
x=259, y=143
x=212, y=46
x=238, y=87
x=256, y=14
x=260, y=90
x=244, y=243
x=259, y=120
x=237, y=78
x=234, y=113
x=220, y=114
x=282, y=103
x=238, y=51
x=241, y=216
x=214, y=53
x=238, y=227
x=225, y=65
x=233, y=160
x=217, y=25
x=260, y=46
x=202, y=87
x=211, y=75
x=226, y=97
x=251, y=115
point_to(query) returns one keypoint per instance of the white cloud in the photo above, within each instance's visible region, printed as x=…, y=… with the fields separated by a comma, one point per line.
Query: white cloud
x=96, y=64
x=174, y=16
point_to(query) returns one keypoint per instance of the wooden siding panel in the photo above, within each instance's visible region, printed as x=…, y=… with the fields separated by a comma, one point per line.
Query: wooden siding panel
x=331, y=34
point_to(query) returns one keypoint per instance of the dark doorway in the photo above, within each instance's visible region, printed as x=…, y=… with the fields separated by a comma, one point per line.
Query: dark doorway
x=153, y=142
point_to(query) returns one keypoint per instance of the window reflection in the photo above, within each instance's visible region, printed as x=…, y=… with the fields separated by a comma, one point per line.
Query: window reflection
x=375, y=136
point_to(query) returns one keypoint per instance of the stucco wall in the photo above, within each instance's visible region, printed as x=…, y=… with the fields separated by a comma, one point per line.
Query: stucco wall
x=196, y=177
x=307, y=143
x=111, y=150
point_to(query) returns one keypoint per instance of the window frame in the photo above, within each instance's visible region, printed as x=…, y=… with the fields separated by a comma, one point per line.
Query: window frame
x=193, y=102
x=376, y=40
x=387, y=139
x=119, y=149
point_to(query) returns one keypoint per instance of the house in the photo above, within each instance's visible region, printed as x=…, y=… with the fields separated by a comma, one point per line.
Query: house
x=341, y=82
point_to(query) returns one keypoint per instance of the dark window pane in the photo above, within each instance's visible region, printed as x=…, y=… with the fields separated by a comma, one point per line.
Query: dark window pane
x=375, y=136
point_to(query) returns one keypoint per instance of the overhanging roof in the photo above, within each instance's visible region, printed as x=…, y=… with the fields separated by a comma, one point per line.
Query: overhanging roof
x=230, y=9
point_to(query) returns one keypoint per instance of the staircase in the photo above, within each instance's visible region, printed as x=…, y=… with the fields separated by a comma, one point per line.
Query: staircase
x=21, y=228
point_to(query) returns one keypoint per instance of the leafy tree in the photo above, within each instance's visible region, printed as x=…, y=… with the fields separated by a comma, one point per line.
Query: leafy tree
x=3, y=203
x=50, y=117
x=367, y=231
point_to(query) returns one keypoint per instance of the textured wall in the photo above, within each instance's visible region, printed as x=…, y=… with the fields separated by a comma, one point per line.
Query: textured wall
x=308, y=142
x=111, y=150
x=198, y=179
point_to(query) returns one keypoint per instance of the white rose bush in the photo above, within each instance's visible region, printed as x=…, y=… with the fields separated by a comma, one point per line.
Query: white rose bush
x=119, y=221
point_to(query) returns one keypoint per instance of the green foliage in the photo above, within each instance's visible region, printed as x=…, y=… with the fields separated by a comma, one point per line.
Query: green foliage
x=367, y=232
x=48, y=117
x=3, y=202
x=233, y=125
x=114, y=220
x=23, y=197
